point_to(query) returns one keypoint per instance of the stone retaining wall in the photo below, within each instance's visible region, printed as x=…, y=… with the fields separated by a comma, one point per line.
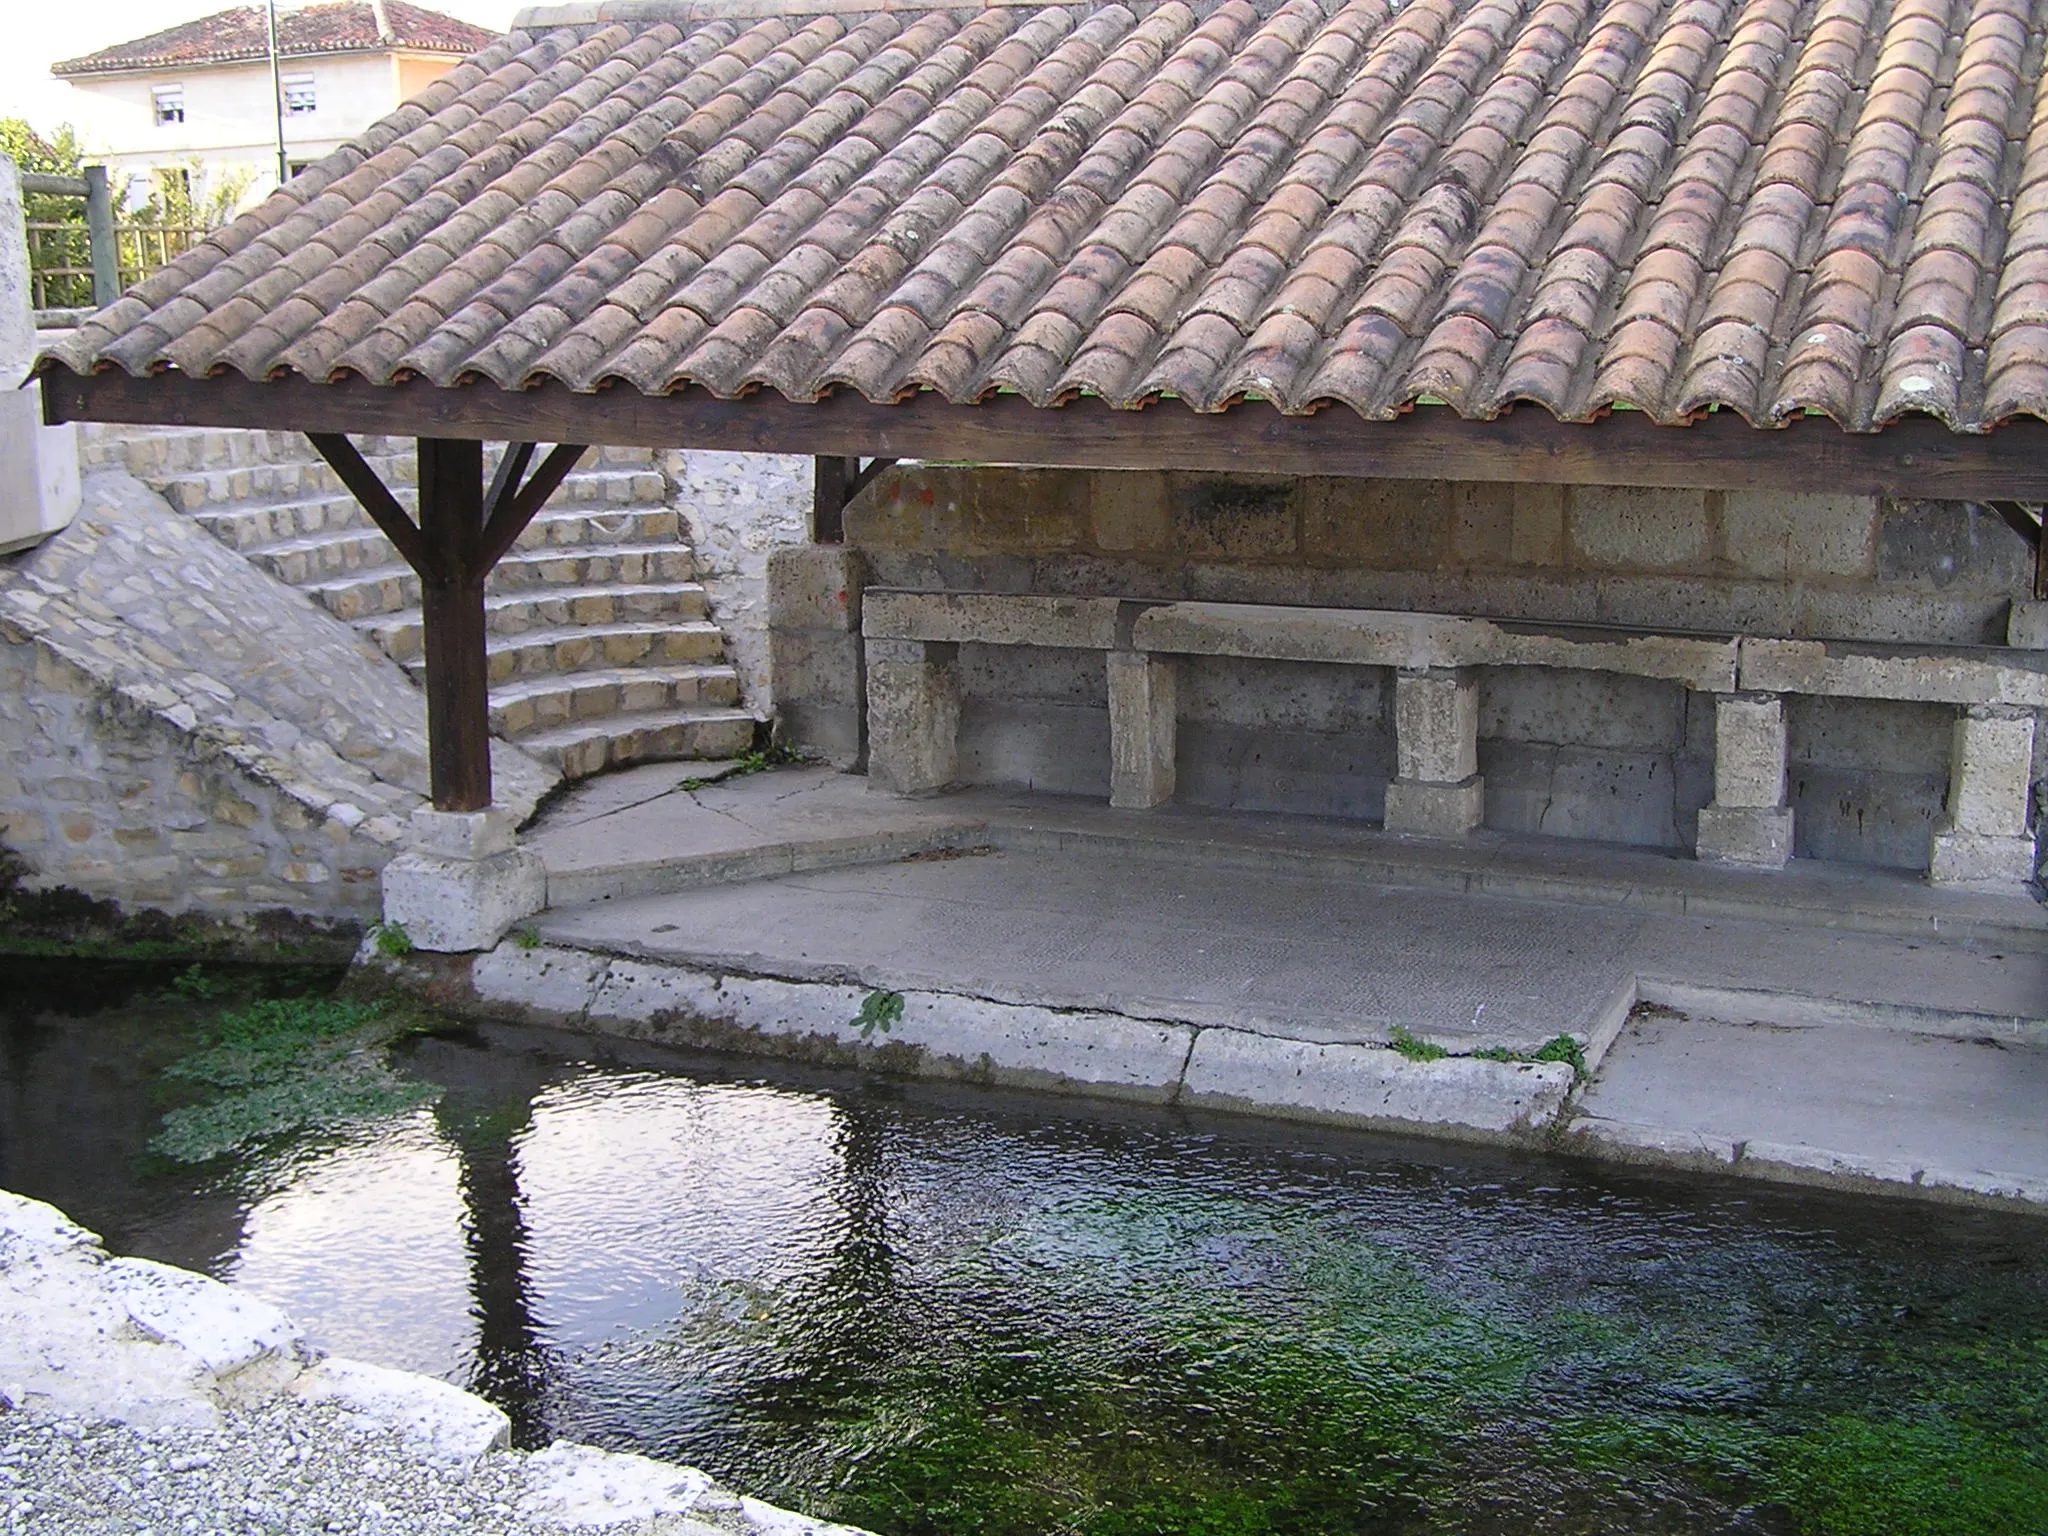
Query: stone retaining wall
x=1569, y=753
x=181, y=731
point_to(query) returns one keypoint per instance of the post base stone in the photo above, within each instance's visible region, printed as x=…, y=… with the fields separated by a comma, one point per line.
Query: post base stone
x=1435, y=810
x=451, y=906
x=1978, y=861
x=1755, y=835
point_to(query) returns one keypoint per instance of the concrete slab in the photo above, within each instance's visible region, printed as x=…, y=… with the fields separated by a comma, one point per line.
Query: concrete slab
x=1890, y=1033
x=1304, y=956
x=1828, y=1102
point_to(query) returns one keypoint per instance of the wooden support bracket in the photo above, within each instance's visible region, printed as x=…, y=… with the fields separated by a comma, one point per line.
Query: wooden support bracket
x=834, y=483
x=2026, y=520
x=463, y=532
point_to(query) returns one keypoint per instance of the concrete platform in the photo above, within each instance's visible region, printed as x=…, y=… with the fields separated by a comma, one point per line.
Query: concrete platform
x=1848, y=1025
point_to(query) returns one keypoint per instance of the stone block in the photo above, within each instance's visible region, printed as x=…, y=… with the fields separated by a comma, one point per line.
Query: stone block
x=1370, y=1085
x=1384, y=524
x=1779, y=534
x=1749, y=750
x=1635, y=529
x=1127, y=513
x=1142, y=721
x=462, y=834
x=913, y=716
x=1942, y=543
x=2026, y=625
x=1991, y=770
x=1978, y=862
x=1436, y=725
x=1536, y=536
x=453, y=906
x=1435, y=810
x=1482, y=522
x=1758, y=836
x=1234, y=519
x=439, y=1420
x=814, y=666
x=815, y=586
x=992, y=618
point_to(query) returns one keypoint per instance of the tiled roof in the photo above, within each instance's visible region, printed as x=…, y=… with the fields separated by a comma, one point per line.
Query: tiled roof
x=1770, y=206
x=227, y=37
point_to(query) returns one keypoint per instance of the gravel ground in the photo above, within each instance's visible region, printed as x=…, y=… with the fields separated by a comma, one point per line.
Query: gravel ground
x=273, y=1469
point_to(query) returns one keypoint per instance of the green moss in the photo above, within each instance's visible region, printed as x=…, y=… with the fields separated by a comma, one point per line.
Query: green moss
x=1925, y=1475
x=1414, y=1048
x=289, y=1064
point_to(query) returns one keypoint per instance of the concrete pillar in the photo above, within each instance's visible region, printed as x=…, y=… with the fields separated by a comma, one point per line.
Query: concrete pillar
x=462, y=882
x=1749, y=821
x=1983, y=843
x=1142, y=719
x=913, y=716
x=39, y=490
x=1436, y=745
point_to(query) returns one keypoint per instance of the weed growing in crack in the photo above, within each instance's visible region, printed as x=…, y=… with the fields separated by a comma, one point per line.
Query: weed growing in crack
x=879, y=1012
x=1413, y=1048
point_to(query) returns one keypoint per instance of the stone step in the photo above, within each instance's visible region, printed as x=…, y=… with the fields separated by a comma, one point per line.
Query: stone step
x=196, y=490
x=530, y=705
x=582, y=648
x=534, y=612
x=380, y=589
x=335, y=552
x=254, y=525
x=592, y=746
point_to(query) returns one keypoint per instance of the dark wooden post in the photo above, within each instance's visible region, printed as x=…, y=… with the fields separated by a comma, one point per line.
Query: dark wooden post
x=452, y=606
x=835, y=482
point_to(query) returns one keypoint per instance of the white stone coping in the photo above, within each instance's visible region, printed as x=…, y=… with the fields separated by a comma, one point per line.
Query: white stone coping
x=1275, y=632
x=1926, y=674
x=1371, y=637
x=990, y=618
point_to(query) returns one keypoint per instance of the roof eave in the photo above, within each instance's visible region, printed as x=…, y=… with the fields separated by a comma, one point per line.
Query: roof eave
x=1918, y=457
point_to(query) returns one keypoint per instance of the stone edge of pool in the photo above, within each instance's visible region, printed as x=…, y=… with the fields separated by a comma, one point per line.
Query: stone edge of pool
x=130, y=1341
x=958, y=1037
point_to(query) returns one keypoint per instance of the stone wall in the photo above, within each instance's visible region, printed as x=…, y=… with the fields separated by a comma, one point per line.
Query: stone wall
x=740, y=507
x=1568, y=753
x=181, y=731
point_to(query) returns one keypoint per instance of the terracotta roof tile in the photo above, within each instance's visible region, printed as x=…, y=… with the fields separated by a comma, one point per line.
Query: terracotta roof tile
x=1769, y=206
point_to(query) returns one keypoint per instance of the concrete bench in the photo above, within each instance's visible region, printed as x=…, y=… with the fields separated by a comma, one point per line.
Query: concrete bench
x=913, y=703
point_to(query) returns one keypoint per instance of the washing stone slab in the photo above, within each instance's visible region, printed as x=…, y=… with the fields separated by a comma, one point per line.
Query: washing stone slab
x=1826, y=1102
x=1310, y=956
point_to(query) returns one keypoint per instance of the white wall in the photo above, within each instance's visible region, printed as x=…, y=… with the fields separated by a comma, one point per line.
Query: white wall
x=230, y=122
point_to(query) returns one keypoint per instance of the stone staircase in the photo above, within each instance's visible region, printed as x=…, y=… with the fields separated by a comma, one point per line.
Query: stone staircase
x=602, y=649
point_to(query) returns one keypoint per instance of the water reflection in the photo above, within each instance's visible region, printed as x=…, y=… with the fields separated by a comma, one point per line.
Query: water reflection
x=930, y=1310
x=363, y=1243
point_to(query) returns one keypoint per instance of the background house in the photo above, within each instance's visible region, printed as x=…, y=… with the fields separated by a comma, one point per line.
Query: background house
x=193, y=103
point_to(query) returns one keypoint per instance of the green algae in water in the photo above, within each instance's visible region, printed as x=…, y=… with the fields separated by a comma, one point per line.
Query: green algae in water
x=281, y=1065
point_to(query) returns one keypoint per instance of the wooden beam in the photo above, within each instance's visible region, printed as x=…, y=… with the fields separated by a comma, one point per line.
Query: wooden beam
x=383, y=507
x=506, y=480
x=830, y=492
x=511, y=510
x=1917, y=457
x=452, y=606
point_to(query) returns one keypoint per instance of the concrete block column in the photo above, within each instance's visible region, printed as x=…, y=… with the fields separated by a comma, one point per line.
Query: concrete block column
x=1143, y=699
x=1436, y=746
x=1749, y=821
x=1983, y=843
x=463, y=881
x=913, y=716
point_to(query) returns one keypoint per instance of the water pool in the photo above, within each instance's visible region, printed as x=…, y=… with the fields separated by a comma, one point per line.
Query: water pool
x=927, y=1310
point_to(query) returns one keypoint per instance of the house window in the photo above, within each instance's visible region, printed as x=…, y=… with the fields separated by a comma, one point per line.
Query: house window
x=298, y=95
x=168, y=101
